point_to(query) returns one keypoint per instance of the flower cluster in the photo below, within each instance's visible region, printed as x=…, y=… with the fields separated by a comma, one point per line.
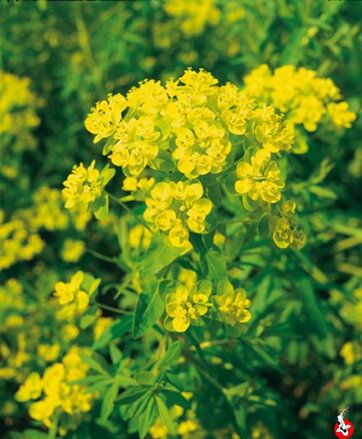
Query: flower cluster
x=186, y=306
x=176, y=208
x=299, y=93
x=189, y=301
x=283, y=234
x=71, y=293
x=259, y=179
x=18, y=107
x=193, y=17
x=188, y=123
x=192, y=128
x=57, y=394
x=17, y=241
x=83, y=185
x=68, y=292
x=232, y=305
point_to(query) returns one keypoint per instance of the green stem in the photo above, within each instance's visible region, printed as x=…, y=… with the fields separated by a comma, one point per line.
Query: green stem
x=110, y=308
x=130, y=211
x=100, y=256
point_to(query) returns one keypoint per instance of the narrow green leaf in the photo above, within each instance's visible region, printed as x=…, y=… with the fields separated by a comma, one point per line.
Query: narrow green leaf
x=147, y=417
x=108, y=400
x=96, y=362
x=132, y=394
x=172, y=355
x=115, y=353
x=100, y=207
x=165, y=415
x=311, y=303
x=89, y=317
x=149, y=309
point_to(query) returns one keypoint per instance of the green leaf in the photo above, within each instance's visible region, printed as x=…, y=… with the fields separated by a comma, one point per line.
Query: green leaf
x=107, y=174
x=116, y=330
x=144, y=377
x=115, y=353
x=159, y=255
x=108, y=400
x=171, y=356
x=30, y=434
x=149, y=309
x=165, y=415
x=132, y=394
x=323, y=192
x=176, y=398
x=89, y=317
x=96, y=362
x=147, y=417
x=216, y=265
x=311, y=304
x=100, y=207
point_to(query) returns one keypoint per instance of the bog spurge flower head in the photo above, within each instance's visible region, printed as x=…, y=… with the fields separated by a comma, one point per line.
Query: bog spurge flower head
x=176, y=143
x=77, y=291
x=302, y=96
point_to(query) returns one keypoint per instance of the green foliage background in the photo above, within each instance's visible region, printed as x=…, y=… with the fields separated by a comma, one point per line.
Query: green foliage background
x=287, y=373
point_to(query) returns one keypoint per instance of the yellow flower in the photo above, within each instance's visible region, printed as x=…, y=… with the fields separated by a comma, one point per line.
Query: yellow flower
x=233, y=306
x=31, y=389
x=305, y=99
x=48, y=352
x=42, y=411
x=259, y=181
x=72, y=250
x=187, y=305
x=340, y=114
x=283, y=234
x=82, y=186
x=104, y=117
x=179, y=236
x=176, y=208
x=70, y=291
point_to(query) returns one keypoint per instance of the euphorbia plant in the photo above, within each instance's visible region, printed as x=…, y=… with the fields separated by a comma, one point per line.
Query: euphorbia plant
x=209, y=204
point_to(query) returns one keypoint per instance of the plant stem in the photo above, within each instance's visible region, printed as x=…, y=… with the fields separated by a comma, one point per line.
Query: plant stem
x=125, y=207
x=110, y=308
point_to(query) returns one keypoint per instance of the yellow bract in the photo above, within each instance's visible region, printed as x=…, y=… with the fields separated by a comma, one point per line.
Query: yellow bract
x=283, y=234
x=186, y=306
x=177, y=208
x=70, y=291
x=104, y=117
x=58, y=394
x=82, y=186
x=261, y=179
x=298, y=92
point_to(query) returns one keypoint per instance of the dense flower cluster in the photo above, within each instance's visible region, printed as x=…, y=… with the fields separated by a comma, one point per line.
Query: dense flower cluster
x=189, y=302
x=191, y=121
x=192, y=17
x=260, y=178
x=233, y=305
x=189, y=128
x=17, y=241
x=177, y=207
x=20, y=237
x=72, y=293
x=83, y=185
x=57, y=394
x=18, y=116
x=298, y=92
x=284, y=235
